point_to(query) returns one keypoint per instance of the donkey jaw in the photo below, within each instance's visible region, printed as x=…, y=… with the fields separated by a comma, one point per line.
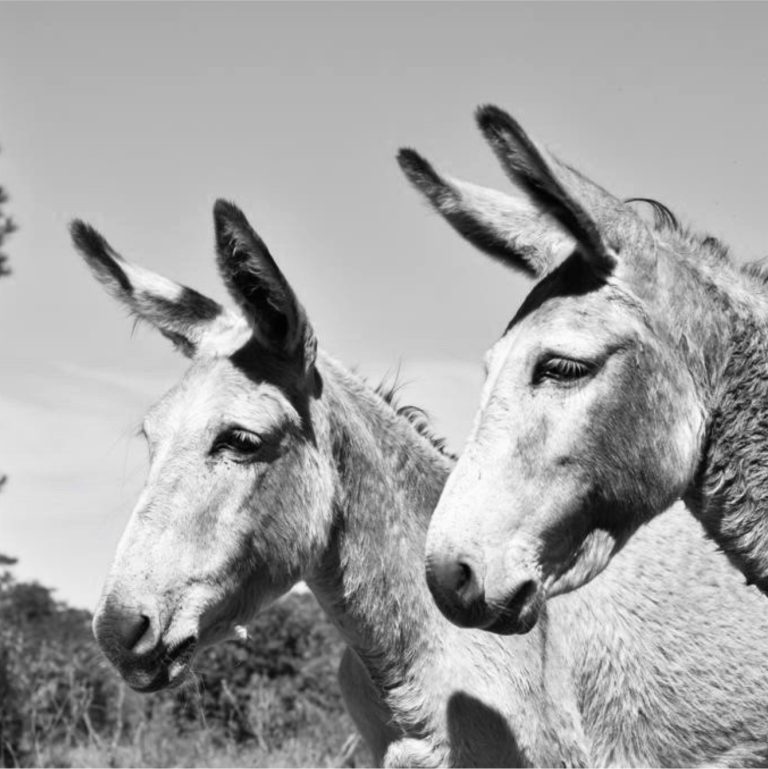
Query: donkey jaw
x=588, y=560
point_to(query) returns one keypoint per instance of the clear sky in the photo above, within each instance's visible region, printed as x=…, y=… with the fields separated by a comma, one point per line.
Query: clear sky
x=138, y=116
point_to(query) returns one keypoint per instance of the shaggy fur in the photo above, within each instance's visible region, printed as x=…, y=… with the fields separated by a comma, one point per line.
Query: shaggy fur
x=576, y=689
x=669, y=399
x=651, y=664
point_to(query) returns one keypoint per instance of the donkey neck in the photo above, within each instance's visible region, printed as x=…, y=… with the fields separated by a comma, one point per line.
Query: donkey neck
x=432, y=676
x=389, y=479
x=722, y=322
x=707, y=303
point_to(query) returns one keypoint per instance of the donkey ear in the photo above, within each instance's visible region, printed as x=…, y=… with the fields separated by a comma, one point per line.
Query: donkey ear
x=193, y=322
x=257, y=285
x=579, y=205
x=511, y=229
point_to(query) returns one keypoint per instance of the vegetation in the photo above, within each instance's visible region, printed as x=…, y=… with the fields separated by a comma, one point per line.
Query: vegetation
x=7, y=226
x=271, y=701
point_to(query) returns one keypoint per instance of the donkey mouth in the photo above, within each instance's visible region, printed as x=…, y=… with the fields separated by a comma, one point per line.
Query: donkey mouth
x=519, y=613
x=505, y=625
x=170, y=668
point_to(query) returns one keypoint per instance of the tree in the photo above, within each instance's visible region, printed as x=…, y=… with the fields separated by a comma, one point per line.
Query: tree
x=7, y=226
x=5, y=560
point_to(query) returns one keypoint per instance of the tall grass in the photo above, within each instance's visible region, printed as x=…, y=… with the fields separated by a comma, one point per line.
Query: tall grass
x=270, y=701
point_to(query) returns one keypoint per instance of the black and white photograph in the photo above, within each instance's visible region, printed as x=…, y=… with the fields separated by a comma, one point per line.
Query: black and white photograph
x=383, y=384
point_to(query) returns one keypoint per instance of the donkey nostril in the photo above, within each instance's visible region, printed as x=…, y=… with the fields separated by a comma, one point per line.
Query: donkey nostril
x=131, y=629
x=455, y=581
x=463, y=575
x=467, y=584
x=457, y=585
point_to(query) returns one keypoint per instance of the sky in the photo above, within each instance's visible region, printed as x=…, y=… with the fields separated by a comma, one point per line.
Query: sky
x=137, y=116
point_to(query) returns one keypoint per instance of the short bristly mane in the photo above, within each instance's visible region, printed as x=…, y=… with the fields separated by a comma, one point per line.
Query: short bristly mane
x=414, y=415
x=757, y=269
x=666, y=221
x=664, y=218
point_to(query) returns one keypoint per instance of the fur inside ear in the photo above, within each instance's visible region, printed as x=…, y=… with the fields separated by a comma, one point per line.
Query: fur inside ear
x=257, y=285
x=556, y=189
x=192, y=321
x=508, y=228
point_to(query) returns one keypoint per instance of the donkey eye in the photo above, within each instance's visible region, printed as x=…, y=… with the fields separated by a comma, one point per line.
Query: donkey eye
x=243, y=443
x=560, y=369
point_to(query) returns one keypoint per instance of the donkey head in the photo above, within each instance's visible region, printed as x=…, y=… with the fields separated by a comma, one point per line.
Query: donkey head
x=237, y=495
x=588, y=423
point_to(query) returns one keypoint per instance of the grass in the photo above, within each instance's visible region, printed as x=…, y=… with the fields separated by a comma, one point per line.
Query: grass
x=271, y=701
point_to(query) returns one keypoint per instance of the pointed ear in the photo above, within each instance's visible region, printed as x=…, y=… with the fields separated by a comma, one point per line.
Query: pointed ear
x=509, y=228
x=257, y=285
x=193, y=322
x=583, y=209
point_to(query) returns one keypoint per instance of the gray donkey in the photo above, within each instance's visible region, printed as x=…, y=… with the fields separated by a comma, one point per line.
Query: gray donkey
x=271, y=463
x=635, y=373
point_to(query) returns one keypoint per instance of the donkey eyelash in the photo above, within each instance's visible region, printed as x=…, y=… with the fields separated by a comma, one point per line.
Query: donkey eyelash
x=246, y=437
x=238, y=441
x=561, y=369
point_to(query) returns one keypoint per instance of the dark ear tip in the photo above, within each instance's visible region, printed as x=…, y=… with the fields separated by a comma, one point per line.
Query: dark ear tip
x=416, y=168
x=233, y=230
x=407, y=156
x=98, y=254
x=78, y=229
x=227, y=220
x=410, y=160
x=88, y=240
x=492, y=119
x=226, y=215
x=226, y=209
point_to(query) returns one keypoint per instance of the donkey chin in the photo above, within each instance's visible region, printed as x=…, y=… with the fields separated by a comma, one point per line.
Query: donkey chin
x=518, y=613
x=166, y=668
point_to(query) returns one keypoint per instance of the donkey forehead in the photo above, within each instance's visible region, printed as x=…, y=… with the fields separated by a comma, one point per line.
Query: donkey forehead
x=587, y=326
x=589, y=320
x=216, y=391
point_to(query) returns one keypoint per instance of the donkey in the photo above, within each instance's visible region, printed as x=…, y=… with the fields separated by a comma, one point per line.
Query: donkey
x=633, y=374
x=271, y=463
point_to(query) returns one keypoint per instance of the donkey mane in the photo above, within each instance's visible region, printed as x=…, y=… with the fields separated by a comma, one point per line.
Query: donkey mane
x=416, y=416
x=665, y=221
x=664, y=218
x=757, y=269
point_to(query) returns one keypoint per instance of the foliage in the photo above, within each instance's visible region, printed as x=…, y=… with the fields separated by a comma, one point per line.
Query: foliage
x=273, y=700
x=7, y=226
